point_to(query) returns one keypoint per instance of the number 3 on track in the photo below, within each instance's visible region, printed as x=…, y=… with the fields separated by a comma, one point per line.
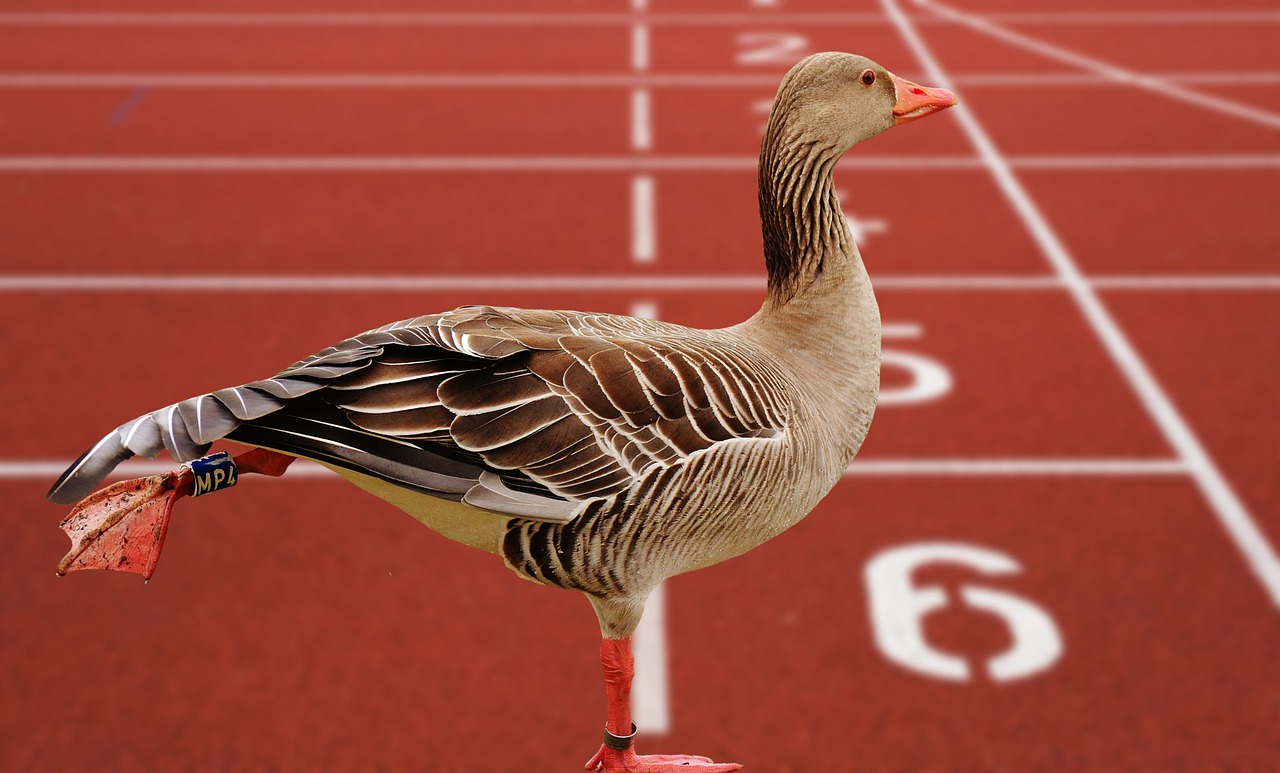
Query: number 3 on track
x=898, y=608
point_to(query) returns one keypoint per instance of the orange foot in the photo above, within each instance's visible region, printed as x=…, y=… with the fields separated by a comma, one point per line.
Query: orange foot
x=122, y=527
x=627, y=761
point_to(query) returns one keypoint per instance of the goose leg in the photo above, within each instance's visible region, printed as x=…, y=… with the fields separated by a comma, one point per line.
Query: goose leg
x=616, y=755
x=122, y=527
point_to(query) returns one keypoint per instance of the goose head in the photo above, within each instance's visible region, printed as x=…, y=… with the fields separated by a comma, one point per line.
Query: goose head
x=843, y=99
x=837, y=100
x=825, y=105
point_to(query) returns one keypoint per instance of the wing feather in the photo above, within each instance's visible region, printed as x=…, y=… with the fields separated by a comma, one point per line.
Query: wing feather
x=505, y=426
x=527, y=413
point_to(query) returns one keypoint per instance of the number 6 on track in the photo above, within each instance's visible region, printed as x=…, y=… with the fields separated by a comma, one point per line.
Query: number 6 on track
x=898, y=608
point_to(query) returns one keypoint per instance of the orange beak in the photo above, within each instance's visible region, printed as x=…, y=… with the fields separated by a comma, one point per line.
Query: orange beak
x=916, y=101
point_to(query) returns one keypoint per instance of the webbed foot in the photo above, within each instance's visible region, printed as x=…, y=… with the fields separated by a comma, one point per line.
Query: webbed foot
x=627, y=761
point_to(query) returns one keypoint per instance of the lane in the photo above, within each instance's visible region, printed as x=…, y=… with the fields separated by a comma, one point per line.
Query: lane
x=890, y=209
x=731, y=121
x=430, y=222
x=1156, y=618
x=297, y=626
x=1199, y=100
x=286, y=6
x=1218, y=355
x=1164, y=635
x=956, y=382
x=1109, y=120
x=1263, y=95
x=1226, y=505
x=1139, y=8
x=762, y=9
x=772, y=47
x=141, y=118
x=347, y=48
x=316, y=223
x=1164, y=46
x=1164, y=222
x=147, y=120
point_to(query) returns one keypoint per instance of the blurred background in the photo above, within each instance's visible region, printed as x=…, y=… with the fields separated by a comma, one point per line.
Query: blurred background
x=1056, y=550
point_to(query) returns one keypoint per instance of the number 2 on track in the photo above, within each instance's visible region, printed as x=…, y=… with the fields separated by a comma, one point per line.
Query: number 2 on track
x=771, y=48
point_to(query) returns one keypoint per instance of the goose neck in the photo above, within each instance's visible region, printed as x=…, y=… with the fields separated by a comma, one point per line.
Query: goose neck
x=802, y=223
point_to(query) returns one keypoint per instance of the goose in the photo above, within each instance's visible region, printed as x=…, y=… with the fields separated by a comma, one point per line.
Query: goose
x=592, y=452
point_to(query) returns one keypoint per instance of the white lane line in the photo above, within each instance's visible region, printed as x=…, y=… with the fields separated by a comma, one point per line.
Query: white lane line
x=644, y=232
x=1216, y=78
x=407, y=80
x=1016, y=467
x=1103, y=163
x=645, y=309
x=656, y=163
x=430, y=19
x=1188, y=282
x=382, y=283
x=639, y=47
x=49, y=469
x=417, y=283
x=1231, y=512
x=1141, y=18
x=651, y=690
x=899, y=330
x=427, y=163
x=1106, y=69
x=641, y=120
x=344, y=80
x=402, y=19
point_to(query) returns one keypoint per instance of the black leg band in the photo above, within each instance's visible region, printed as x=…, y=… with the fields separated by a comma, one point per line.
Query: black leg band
x=619, y=742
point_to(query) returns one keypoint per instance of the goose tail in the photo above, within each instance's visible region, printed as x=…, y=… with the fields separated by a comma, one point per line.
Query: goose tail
x=78, y=480
x=186, y=430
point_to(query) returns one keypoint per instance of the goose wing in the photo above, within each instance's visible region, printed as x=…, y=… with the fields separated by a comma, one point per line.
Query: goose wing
x=521, y=412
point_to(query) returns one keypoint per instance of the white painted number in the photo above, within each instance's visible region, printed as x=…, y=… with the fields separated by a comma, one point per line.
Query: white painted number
x=930, y=379
x=863, y=227
x=760, y=108
x=771, y=48
x=898, y=609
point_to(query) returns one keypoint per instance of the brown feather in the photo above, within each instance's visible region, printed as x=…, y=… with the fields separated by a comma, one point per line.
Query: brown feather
x=487, y=431
x=411, y=423
x=405, y=395
x=486, y=389
x=581, y=382
x=541, y=446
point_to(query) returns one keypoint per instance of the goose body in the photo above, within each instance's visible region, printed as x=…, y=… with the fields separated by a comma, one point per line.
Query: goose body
x=597, y=452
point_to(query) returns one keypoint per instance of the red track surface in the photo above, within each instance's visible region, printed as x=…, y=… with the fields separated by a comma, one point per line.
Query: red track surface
x=300, y=625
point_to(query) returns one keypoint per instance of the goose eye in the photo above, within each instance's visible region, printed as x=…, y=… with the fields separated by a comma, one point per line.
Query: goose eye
x=868, y=77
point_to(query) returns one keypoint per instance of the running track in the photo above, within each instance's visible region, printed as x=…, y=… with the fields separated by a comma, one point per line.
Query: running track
x=1056, y=552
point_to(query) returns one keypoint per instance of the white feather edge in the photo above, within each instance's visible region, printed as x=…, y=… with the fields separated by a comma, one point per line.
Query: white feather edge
x=490, y=493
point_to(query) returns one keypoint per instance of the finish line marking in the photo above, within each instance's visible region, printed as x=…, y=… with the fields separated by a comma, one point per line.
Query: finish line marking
x=1235, y=519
